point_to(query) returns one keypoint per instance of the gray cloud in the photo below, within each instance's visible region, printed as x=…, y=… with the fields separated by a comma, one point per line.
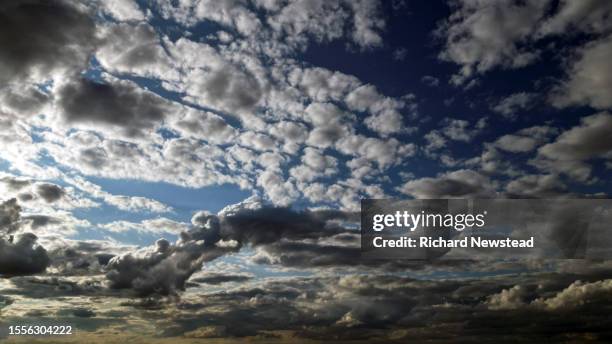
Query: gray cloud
x=117, y=103
x=40, y=38
x=480, y=36
x=227, y=88
x=589, y=80
x=134, y=49
x=220, y=279
x=15, y=184
x=269, y=225
x=574, y=148
x=49, y=192
x=393, y=308
x=21, y=255
x=514, y=103
x=164, y=268
x=9, y=216
x=545, y=185
x=457, y=184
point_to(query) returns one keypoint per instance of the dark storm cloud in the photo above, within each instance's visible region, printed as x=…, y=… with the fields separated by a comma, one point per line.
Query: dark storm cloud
x=116, y=103
x=82, y=258
x=37, y=287
x=269, y=225
x=41, y=37
x=370, y=307
x=163, y=269
x=303, y=239
x=49, y=192
x=220, y=279
x=307, y=255
x=19, y=255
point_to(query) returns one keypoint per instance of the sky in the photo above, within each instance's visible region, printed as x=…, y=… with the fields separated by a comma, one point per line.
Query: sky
x=207, y=159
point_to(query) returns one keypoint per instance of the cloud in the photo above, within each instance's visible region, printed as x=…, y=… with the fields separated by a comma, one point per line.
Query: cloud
x=325, y=21
x=514, y=103
x=22, y=101
x=516, y=144
x=435, y=141
x=368, y=22
x=576, y=294
x=224, y=87
x=49, y=192
x=9, y=216
x=544, y=185
x=134, y=49
x=280, y=105
x=119, y=104
x=482, y=35
x=250, y=222
x=456, y=184
x=314, y=165
x=575, y=147
x=123, y=10
x=399, y=54
x=22, y=256
x=589, y=80
x=43, y=38
x=323, y=85
x=508, y=299
x=526, y=140
x=589, y=16
x=279, y=190
x=154, y=226
x=39, y=196
x=459, y=130
x=127, y=203
x=206, y=126
x=216, y=279
x=386, y=307
x=19, y=255
x=164, y=268
x=384, y=152
x=385, y=117
x=430, y=81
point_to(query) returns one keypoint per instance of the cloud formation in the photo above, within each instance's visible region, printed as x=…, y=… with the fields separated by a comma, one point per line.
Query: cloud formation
x=41, y=38
x=19, y=254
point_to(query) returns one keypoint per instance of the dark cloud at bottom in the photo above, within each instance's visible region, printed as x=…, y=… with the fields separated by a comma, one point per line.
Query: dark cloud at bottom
x=531, y=307
x=345, y=299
